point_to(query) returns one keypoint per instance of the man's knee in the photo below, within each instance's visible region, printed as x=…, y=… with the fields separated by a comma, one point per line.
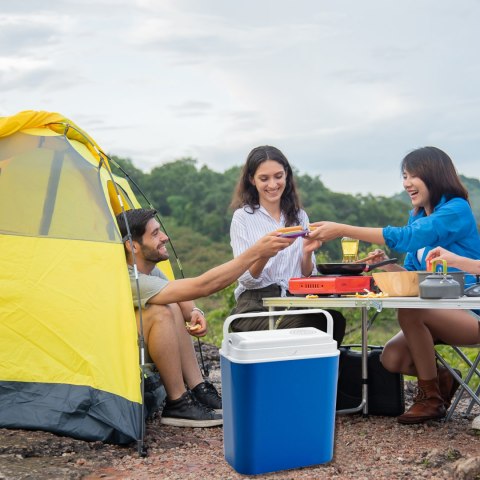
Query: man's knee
x=154, y=314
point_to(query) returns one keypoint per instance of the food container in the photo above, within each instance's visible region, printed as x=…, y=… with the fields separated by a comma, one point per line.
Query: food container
x=278, y=396
x=439, y=285
x=397, y=284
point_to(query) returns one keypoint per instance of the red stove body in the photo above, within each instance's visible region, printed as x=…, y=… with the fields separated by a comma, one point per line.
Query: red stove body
x=330, y=284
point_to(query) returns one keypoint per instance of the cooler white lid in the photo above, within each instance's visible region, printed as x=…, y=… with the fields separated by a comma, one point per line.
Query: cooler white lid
x=275, y=345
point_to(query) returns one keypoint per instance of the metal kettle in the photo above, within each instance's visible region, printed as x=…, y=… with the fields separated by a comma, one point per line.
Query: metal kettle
x=439, y=284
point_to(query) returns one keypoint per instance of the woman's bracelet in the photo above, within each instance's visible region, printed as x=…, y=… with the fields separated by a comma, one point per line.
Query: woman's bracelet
x=196, y=309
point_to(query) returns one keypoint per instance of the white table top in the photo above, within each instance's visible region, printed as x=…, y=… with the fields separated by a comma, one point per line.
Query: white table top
x=468, y=303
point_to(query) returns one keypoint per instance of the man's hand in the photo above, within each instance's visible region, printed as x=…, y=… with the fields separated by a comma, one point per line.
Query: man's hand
x=197, y=327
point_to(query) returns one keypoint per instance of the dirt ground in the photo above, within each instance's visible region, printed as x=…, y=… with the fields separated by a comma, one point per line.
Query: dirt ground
x=365, y=448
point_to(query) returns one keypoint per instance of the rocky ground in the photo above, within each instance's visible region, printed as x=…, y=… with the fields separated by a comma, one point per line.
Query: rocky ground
x=365, y=448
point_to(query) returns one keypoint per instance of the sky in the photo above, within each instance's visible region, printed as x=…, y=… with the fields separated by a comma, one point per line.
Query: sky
x=344, y=88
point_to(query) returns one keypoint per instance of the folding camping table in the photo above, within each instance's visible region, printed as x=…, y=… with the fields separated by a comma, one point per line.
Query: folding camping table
x=364, y=304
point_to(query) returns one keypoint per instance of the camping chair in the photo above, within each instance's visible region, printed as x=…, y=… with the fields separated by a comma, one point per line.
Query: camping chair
x=466, y=383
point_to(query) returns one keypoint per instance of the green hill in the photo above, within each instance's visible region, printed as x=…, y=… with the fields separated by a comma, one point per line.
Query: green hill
x=473, y=187
x=193, y=203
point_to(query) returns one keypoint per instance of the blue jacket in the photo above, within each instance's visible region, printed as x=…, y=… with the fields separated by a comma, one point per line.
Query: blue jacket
x=451, y=225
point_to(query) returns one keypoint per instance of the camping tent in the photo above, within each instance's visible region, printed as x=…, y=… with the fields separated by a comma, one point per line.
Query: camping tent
x=69, y=358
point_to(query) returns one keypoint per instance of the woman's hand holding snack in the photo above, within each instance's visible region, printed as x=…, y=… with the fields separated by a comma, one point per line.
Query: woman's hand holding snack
x=311, y=244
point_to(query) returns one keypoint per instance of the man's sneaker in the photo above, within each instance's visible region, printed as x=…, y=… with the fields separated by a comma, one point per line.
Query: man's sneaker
x=207, y=394
x=188, y=412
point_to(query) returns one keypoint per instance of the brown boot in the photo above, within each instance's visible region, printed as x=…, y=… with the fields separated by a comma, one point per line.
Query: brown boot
x=428, y=403
x=447, y=384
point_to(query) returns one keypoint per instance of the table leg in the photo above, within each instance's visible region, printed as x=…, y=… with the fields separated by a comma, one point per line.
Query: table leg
x=364, y=402
x=271, y=320
x=363, y=406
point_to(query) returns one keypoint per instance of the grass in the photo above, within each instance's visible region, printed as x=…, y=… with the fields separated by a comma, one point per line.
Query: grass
x=382, y=329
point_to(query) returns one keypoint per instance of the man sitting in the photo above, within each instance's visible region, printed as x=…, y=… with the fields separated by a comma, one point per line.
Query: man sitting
x=170, y=318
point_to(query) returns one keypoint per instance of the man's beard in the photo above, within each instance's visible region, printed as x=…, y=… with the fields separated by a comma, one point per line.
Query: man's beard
x=153, y=255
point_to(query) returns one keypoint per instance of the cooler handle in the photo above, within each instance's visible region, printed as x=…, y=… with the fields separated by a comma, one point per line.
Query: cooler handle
x=277, y=313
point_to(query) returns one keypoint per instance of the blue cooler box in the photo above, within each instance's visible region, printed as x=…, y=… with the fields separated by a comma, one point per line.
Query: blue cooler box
x=278, y=393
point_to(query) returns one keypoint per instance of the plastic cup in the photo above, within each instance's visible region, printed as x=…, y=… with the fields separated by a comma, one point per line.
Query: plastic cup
x=349, y=249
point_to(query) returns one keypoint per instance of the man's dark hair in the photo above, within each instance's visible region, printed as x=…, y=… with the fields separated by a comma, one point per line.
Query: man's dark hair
x=137, y=220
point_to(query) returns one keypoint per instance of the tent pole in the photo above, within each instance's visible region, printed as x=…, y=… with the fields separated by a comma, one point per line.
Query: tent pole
x=52, y=190
x=141, y=449
x=141, y=344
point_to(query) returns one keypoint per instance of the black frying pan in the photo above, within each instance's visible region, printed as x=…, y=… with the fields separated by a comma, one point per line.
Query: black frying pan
x=350, y=268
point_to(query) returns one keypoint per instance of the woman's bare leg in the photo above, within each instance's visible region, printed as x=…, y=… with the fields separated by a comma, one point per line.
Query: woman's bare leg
x=396, y=356
x=422, y=328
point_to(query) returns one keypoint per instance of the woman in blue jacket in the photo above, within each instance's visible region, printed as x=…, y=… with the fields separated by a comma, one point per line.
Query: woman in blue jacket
x=441, y=216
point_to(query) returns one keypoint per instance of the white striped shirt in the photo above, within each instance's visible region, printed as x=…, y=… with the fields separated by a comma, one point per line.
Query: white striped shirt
x=246, y=228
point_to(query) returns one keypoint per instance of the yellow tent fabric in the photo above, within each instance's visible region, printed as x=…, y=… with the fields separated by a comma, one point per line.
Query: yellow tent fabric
x=56, y=122
x=38, y=123
x=28, y=119
x=69, y=359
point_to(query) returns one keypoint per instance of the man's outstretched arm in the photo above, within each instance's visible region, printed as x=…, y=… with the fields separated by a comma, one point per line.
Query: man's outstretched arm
x=220, y=277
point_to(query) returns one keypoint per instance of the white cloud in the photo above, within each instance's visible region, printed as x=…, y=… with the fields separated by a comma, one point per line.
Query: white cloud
x=345, y=88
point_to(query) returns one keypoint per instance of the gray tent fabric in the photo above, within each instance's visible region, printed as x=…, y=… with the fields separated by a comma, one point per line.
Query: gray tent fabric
x=76, y=411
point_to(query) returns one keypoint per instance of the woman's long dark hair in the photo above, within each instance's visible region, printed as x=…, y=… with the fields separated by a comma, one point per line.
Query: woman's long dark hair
x=246, y=193
x=437, y=171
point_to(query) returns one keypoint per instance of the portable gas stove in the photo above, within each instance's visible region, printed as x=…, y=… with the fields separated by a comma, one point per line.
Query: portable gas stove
x=330, y=285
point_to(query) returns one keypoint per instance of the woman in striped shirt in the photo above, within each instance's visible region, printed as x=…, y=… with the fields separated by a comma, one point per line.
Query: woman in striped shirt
x=265, y=200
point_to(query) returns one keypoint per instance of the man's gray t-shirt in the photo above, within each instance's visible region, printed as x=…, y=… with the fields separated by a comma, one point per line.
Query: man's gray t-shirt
x=149, y=285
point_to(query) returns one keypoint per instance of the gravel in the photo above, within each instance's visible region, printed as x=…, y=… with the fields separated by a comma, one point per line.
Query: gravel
x=365, y=448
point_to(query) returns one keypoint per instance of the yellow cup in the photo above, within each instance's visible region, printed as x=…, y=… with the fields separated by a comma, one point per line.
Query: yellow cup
x=349, y=249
